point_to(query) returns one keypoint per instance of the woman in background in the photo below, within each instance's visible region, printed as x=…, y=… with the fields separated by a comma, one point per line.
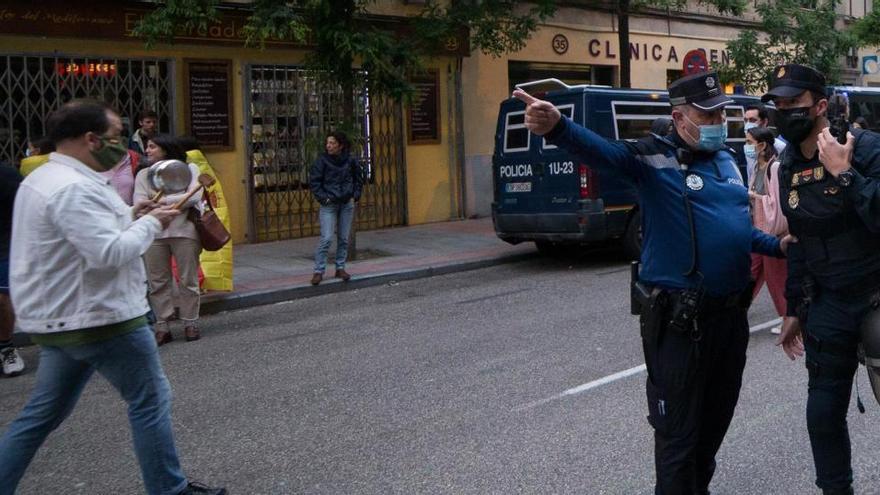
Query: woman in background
x=336, y=181
x=179, y=240
x=766, y=214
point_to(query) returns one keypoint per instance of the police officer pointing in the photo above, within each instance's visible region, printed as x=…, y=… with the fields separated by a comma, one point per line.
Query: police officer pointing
x=831, y=197
x=693, y=288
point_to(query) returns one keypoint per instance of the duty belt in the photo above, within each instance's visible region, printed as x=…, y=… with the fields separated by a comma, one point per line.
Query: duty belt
x=740, y=299
x=708, y=304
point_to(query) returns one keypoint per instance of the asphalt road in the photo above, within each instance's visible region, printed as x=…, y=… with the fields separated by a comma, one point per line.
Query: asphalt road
x=445, y=385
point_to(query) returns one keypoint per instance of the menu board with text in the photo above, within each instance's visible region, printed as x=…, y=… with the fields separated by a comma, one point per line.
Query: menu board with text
x=208, y=100
x=424, y=110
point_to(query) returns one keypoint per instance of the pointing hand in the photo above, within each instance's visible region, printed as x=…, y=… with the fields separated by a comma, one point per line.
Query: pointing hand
x=541, y=116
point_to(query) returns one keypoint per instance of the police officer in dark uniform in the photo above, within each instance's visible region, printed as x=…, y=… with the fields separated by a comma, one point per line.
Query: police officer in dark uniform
x=693, y=289
x=830, y=194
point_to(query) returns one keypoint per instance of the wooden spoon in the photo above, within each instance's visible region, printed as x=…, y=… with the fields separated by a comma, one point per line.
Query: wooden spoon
x=205, y=181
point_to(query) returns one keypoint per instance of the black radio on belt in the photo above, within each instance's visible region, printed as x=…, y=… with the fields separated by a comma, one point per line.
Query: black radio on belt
x=683, y=312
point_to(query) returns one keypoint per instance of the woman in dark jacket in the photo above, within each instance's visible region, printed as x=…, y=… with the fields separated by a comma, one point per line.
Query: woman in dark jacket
x=336, y=182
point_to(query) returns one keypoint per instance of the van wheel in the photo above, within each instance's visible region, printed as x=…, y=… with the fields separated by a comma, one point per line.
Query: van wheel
x=632, y=238
x=551, y=249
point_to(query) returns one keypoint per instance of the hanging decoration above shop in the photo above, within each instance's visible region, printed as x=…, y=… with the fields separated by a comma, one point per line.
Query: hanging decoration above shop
x=85, y=70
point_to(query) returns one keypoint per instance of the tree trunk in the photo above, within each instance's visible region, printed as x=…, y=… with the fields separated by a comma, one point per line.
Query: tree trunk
x=349, y=123
x=623, y=42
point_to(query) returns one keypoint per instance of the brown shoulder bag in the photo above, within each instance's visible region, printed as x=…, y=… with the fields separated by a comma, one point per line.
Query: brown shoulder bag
x=212, y=234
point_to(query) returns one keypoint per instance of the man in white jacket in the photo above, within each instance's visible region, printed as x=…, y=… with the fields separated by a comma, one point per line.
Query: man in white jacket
x=77, y=284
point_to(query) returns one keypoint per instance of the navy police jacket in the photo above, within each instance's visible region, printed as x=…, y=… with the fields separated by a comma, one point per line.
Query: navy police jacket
x=838, y=227
x=719, y=202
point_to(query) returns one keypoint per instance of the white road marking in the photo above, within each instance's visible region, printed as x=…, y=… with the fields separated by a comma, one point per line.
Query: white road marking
x=622, y=374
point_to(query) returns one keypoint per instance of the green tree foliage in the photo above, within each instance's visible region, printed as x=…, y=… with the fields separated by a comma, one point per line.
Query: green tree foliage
x=867, y=29
x=343, y=33
x=789, y=32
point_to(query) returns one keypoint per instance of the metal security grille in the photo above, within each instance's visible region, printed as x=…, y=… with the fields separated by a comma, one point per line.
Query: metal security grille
x=31, y=86
x=290, y=114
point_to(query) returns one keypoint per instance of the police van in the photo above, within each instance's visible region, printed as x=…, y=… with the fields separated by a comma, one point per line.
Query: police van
x=863, y=102
x=547, y=196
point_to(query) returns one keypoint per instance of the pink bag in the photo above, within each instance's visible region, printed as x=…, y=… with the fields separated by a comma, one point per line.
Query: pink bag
x=767, y=211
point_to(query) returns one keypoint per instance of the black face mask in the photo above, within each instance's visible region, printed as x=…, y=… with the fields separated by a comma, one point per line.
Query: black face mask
x=795, y=124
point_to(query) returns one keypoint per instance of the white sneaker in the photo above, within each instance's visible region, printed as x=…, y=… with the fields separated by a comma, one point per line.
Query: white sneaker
x=776, y=330
x=13, y=364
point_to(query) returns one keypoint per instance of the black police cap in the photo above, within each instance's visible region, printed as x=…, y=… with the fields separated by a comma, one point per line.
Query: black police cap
x=790, y=80
x=701, y=90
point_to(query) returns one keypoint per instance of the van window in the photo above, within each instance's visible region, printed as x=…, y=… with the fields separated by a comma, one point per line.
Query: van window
x=736, y=130
x=568, y=111
x=516, y=136
x=633, y=119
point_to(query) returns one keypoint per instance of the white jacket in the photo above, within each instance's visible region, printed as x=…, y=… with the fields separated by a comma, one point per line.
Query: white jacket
x=76, y=252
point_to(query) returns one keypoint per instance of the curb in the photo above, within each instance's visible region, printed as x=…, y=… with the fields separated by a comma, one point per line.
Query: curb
x=236, y=301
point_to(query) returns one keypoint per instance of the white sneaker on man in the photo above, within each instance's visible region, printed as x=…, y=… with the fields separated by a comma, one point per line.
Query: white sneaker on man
x=13, y=364
x=776, y=330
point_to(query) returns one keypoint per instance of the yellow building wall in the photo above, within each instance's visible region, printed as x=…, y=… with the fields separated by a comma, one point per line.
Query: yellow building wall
x=430, y=168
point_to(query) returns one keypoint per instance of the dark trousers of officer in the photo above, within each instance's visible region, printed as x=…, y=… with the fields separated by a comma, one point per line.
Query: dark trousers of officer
x=831, y=341
x=693, y=386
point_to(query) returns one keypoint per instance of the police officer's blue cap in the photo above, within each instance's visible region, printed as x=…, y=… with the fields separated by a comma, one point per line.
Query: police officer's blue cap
x=701, y=90
x=790, y=80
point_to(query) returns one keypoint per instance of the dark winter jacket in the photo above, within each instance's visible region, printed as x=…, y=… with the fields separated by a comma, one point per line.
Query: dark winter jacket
x=335, y=179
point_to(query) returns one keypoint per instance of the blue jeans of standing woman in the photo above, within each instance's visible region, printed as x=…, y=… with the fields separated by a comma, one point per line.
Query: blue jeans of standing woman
x=332, y=216
x=130, y=362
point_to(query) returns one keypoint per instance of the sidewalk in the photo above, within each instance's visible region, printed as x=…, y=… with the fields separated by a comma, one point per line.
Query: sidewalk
x=272, y=272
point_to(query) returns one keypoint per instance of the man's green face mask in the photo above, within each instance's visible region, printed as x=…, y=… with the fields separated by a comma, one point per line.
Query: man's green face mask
x=110, y=153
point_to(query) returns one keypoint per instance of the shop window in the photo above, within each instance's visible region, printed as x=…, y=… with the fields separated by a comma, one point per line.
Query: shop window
x=289, y=113
x=571, y=74
x=33, y=86
x=672, y=75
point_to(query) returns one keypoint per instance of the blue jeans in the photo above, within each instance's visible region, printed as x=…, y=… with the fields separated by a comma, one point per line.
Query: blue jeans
x=330, y=216
x=130, y=362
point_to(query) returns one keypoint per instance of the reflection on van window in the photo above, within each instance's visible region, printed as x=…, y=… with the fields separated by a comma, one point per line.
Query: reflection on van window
x=633, y=119
x=516, y=136
x=736, y=130
x=568, y=111
x=634, y=129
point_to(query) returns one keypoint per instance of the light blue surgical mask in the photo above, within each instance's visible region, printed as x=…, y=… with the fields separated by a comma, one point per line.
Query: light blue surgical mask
x=750, y=151
x=712, y=136
x=750, y=125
